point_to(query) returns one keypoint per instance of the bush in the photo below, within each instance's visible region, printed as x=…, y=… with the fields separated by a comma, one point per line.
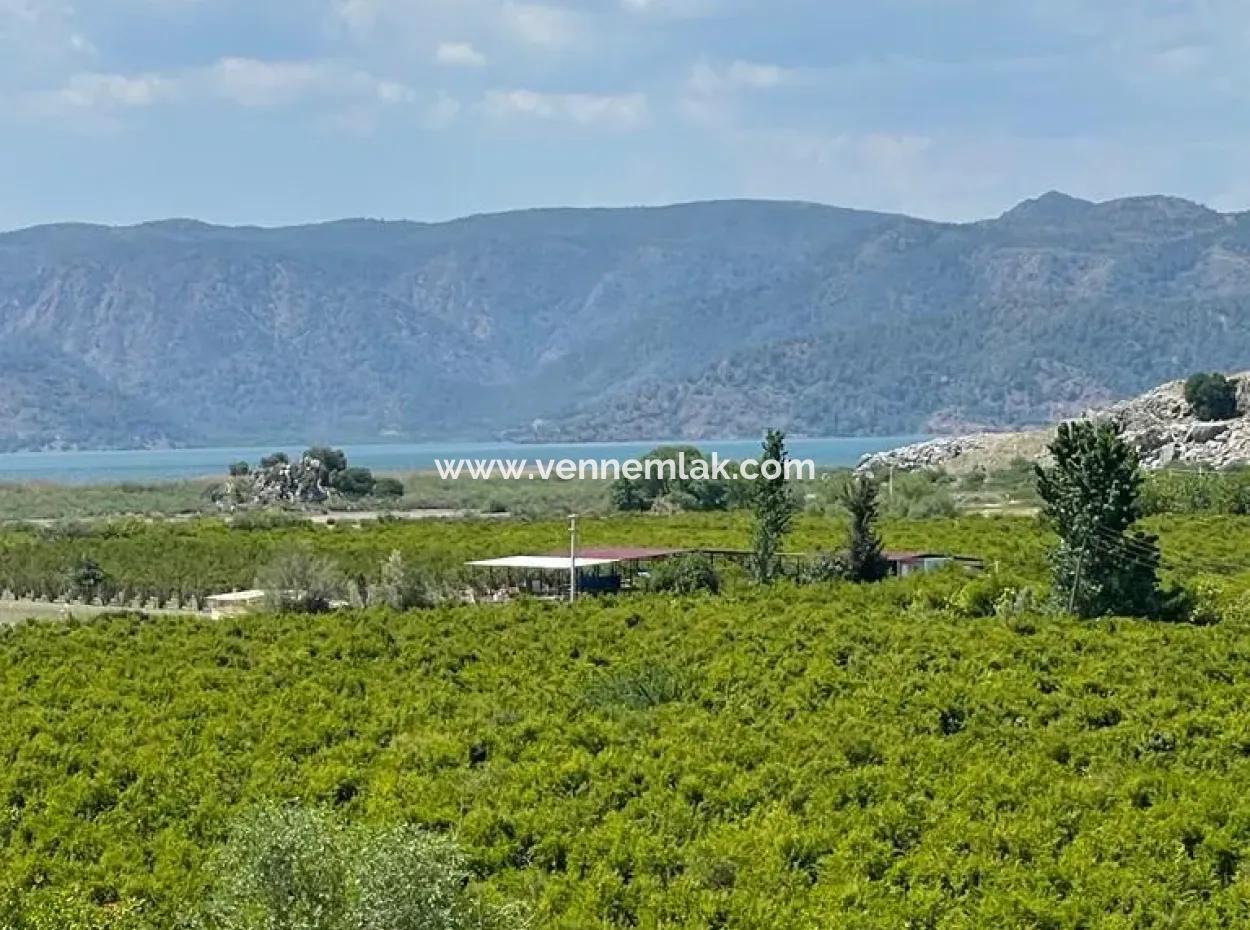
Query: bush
x=685, y=574
x=1212, y=396
x=636, y=687
x=299, y=580
x=918, y=495
x=388, y=487
x=354, y=482
x=825, y=567
x=332, y=461
x=87, y=580
x=403, y=586
x=291, y=868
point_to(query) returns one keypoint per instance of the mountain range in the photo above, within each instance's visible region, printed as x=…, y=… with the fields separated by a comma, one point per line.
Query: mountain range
x=685, y=322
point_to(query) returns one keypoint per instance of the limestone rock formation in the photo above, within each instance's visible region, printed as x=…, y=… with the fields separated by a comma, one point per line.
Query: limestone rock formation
x=300, y=482
x=1159, y=423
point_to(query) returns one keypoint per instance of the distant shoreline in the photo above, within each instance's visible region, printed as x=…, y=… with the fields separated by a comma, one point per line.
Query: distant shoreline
x=149, y=466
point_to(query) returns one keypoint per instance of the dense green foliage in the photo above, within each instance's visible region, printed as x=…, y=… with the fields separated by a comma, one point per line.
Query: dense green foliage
x=294, y=868
x=301, y=579
x=1211, y=396
x=773, y=505
x=1091, y=497
x=162, y=560
x=670, y=484
x=1183, y=491
x=865, y=559
x=687, y=574
x=832, y=755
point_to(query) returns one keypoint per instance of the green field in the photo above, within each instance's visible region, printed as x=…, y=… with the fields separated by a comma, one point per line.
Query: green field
x=794, y=757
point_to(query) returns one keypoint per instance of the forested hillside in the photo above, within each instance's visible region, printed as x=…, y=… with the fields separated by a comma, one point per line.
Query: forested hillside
x=687, y=321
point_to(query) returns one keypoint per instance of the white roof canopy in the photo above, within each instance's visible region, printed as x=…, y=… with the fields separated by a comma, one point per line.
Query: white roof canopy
x=540, y=562
x=235, y=597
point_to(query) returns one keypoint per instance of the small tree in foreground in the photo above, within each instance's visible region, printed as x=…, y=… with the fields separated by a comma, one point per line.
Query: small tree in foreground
x=687, y=574
x=403, y=586
x=865, y=558
x=300, y=580
x=774, y=510
x=1212, y=396
x=292, y=868
x=1091, y=497
x=87, y=580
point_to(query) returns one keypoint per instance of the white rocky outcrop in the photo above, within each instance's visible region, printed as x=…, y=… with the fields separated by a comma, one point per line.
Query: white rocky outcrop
x=1159, y=423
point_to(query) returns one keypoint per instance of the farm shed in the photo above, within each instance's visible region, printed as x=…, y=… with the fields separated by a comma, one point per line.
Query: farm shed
x=903, y=564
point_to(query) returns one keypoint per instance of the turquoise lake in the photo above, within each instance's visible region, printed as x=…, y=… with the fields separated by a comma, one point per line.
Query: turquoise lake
x=169, y=464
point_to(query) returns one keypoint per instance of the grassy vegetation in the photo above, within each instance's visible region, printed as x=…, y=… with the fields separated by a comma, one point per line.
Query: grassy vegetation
x=824, y=756
x=42, y=501
x=212, y=554
x=828, y=755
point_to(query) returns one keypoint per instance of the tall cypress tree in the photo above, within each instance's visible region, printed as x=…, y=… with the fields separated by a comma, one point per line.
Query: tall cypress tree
x=774, y=511
x=865, y=558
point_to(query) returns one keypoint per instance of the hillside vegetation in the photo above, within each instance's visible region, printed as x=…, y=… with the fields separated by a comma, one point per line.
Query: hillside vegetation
x=816, y=319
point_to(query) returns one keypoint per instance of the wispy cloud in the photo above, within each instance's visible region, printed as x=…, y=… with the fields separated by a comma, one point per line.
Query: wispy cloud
x=244, y=82
x=617, y=112
x=459, y=55
x=707, y=78
x=105, y=92
x=251, y=82
x=711, y=93
x=539, y=24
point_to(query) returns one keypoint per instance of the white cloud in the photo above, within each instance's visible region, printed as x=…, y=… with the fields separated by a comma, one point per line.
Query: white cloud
x=706, y=78
x=353, y=98
x=442, y=112
x=92, y=102
x=537, y=24
x=459, y=55
x=251, y=82
x=38, y=38
x=670, y=9
x=620, y=112
x=108, y=91
x=711, y=93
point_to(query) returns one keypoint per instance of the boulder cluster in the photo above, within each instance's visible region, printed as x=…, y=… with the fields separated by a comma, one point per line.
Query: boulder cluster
x=1165, y=431
x=282, y=482
x=1160, y=424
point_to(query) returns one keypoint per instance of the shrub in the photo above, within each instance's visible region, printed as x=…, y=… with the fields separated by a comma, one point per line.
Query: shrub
x=332, y=461
x=388, y=487
x=687, y=574
x=299, y=580
x=87, y=580
x=57, y=909
x=354, y=482
x=636, y=687
x=1212, y=396
x=292, y=868
x=825, y=567
x=403, y=586
x=979, y=597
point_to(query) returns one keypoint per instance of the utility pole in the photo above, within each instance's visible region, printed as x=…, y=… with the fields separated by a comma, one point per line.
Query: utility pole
x=572, y=558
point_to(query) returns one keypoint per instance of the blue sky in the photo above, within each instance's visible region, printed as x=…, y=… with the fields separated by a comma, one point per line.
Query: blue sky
x=284, y=111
